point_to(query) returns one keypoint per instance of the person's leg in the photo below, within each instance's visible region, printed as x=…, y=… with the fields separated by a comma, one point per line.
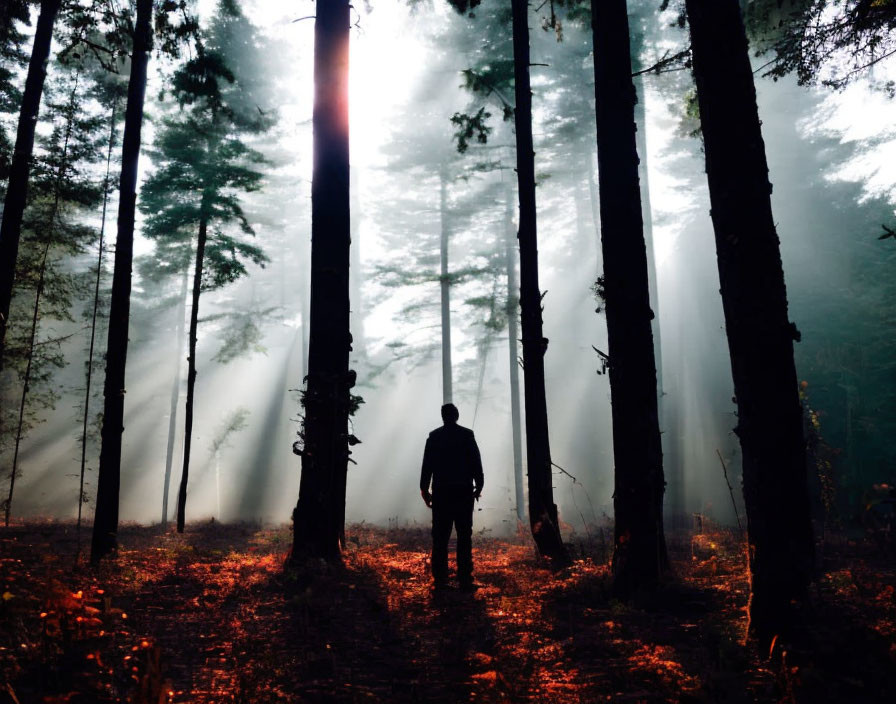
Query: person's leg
x=441, y=532
x=463, y=521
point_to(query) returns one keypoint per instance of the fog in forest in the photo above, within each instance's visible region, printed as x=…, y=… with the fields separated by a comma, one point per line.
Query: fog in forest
x=832, y=160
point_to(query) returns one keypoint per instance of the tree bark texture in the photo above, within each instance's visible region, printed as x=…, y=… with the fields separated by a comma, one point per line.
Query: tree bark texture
x=760, y=335
x=542, y=509
x=20, y=166
x=105, y=522
x=191, y=370
x=318, y=517
x=445, y=286
x=639, y=556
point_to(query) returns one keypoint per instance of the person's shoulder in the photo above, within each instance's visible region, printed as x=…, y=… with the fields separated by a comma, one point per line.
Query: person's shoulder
x=437, y=432
x=465, y=431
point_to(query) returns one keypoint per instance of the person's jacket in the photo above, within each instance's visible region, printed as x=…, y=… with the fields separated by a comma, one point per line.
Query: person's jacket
x=451, y=459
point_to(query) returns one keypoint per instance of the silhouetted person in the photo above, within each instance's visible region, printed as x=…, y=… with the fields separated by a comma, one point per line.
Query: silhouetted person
x=451, y=460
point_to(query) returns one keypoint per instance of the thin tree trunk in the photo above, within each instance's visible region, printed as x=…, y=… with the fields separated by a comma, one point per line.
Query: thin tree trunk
x=175, y=395
x=20, y=166
x=191, y=369
x=445, y=286
x=640, y=550
x=113, y=119
x=760, y=336
x=542, y=509
x=513, y=302
x=105, y=523
x=41, y=279
x=317, y=519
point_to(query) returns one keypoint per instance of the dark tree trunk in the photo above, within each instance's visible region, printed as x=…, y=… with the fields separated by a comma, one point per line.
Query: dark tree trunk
x=754, y=299
x=20, y=167
x=445, y=287
x=175, y=395
x=513, y=303
x=640, y=551
x=105, y=522
x=542, y=509
x=191, y=369
x=318, y=517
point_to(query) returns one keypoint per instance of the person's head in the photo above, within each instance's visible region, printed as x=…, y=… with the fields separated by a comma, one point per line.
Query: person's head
x=449, y=413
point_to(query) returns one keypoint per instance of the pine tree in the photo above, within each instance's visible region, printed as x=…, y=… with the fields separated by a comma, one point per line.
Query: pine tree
x=61, y=185
x=493, y=78
x=318, y=519
x=105, y=522
x=760, y=335
x=640, y=550
x=542, y=509
x=203, y=164
x=201, y=168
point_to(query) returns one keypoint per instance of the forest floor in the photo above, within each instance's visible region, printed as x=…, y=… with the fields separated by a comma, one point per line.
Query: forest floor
x=211, y=616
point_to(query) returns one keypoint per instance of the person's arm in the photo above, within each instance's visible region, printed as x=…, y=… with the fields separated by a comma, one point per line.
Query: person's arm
x=476, y=465
x=426, y=473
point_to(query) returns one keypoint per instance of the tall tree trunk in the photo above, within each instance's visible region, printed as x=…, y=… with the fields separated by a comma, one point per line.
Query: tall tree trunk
x=191, y=368
x=513, y=302
x=321, y=507
x=640, y=551
x=542, y=509
x=754, y=299
x=105, y=522
x=20, y=167
x=175, y=395
x=445, y=286
x=113, y=120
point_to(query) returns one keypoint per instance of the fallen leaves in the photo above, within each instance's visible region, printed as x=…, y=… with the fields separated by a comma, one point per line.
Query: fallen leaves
x=211, y=616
